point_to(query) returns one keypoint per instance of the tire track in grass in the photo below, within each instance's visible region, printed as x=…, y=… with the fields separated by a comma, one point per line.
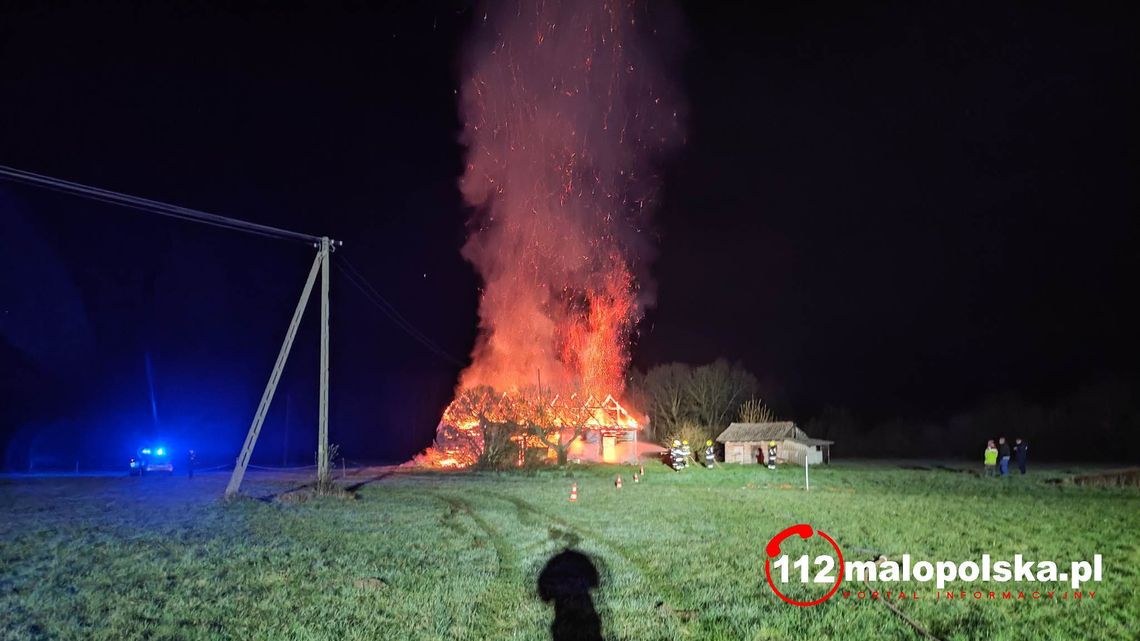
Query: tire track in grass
x=507, y=559
x=508, y=574
x=659, y=581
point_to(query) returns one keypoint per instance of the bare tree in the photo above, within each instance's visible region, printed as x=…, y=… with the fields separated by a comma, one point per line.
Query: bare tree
x=666, y=388
x=688, y=431
x=483, y=407
x=556, y=421
x=755, y=411
x=716, y=391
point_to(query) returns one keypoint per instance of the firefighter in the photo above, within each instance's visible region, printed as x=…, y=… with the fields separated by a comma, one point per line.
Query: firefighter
x=675, y=458
x=710, y=454
x=191, y=459
x=771, y=455
x=686, y=453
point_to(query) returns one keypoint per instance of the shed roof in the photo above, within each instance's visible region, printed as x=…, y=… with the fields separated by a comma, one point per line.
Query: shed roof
x=773, y=431
x=815, y=441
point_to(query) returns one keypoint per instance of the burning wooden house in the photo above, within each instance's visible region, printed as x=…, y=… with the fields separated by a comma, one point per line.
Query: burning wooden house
x=557, y=231
x=564, y=427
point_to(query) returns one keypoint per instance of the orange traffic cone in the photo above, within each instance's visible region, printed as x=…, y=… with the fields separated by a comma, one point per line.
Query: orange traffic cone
x=636, y=478
x=574, y=493
x=617, y=483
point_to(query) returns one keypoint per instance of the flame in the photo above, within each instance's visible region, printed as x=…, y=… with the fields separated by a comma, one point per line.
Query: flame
x=459, y=437
x=564, y=113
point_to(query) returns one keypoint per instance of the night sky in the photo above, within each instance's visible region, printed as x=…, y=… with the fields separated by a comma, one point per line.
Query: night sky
x=896, y=209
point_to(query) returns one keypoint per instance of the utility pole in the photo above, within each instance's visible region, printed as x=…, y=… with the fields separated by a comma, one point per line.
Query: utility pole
x=323, y=478
x=285, y=446
x=320, y=265
x=324, y=246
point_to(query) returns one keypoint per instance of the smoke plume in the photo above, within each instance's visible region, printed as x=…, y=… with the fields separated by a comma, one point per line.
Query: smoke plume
x=567, y=113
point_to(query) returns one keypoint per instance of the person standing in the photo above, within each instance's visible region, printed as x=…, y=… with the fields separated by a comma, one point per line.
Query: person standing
x=1021, y=451
x=191, y=459
x=710, y=454
x=771, y=455
x=676, y=460
x=1003, y=456
x=990, y=457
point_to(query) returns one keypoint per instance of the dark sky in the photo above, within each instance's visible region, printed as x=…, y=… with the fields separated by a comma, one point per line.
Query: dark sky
x=901, y=209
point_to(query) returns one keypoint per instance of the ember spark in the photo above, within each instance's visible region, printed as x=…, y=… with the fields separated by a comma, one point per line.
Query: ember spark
x=565, y=113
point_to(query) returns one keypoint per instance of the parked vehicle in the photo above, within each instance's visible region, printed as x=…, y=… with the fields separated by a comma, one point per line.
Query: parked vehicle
x=151, y=459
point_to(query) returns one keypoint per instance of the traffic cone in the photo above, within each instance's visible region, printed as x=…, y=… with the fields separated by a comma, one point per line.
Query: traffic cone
x=574, y=493
x=636, y=478
x=617, y=483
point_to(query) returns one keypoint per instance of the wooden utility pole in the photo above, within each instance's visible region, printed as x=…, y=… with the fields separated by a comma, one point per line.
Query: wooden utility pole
x=324, y=246
x=285, y=445
x=320, y=265
x=323, y=478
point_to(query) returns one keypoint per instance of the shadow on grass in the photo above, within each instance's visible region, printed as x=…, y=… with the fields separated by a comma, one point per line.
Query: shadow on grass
x=958, y=470
x=306, y=490
x=293, y=494
x=567, y=580
x=356, y=486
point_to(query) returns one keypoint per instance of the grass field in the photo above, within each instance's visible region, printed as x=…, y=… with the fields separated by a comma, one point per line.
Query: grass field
x=456, y=556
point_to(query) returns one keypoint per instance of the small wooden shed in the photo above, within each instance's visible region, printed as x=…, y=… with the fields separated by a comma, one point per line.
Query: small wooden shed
x=748, y=443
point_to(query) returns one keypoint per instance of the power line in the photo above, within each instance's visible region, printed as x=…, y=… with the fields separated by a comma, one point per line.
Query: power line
x=360, y=282
x=151, y=206
x=195, y=215
x=398, y=317
x=373, y=296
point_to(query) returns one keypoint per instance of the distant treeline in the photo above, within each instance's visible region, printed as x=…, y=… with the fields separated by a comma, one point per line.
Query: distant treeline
x=1097, y=422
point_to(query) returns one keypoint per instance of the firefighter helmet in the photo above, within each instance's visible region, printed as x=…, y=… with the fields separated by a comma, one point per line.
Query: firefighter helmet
x=708, y=442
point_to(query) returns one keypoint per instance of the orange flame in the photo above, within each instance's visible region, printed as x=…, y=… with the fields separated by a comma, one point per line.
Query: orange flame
x=563, y=116
x=459, y=436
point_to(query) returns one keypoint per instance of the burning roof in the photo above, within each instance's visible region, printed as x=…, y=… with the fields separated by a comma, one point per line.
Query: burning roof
x=565, y=113
x=530, y=419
